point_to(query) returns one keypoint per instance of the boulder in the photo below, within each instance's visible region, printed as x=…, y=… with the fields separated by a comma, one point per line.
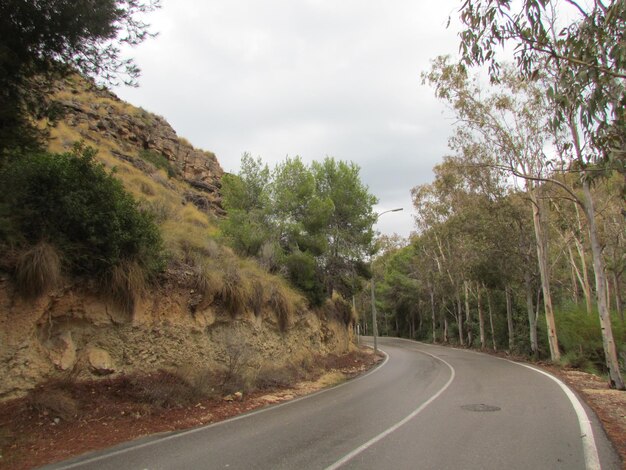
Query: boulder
x=100, y=362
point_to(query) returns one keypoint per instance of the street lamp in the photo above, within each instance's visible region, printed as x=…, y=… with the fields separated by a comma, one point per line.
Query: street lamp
x=374, y=323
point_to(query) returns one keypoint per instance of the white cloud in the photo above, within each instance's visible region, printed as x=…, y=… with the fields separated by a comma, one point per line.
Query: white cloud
x=304, y=77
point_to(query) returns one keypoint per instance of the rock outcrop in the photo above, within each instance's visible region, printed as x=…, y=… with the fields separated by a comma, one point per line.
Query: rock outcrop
x=100, y=117
x=74, y=333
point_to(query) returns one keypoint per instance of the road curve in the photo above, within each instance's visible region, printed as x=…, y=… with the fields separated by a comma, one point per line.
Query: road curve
x=426, y=407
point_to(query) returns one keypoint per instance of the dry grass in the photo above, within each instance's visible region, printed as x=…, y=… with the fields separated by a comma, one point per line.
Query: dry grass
x=126, y=285
x=340, y=309
x=207, y=282
x=188, y=233
x=233, y=293
x=257, y=297
x=172, y=388
x=37, y=270
x=282, y=307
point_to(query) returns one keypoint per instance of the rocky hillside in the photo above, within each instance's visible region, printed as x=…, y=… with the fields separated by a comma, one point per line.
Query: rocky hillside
x=206, y=308
x=80, y=110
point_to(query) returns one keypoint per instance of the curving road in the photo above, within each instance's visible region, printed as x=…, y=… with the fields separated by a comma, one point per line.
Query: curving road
x=426, y=407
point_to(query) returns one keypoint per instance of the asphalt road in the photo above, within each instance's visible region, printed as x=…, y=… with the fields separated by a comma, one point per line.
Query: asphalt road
x=426, y=407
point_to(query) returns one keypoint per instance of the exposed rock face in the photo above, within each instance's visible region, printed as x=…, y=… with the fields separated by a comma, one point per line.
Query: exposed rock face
x=99, y=115
x=78, y=333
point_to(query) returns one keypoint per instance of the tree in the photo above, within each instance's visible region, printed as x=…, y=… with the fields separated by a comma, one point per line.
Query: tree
x=509, y=122
x=587, y=58
x=59, y=36
x=246, y=199
x=315, y=221
x=583, y=42
x=349, y=232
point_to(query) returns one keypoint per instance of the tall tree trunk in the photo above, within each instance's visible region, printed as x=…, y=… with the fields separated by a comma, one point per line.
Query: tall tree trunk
x=544, y=272
x=481, y=319
x=493, y=334
x=459, y=311
x=432, y=312
x=445, y=329
x=574, y=273
x=586, y=285
x=610, y=350
x=509, y=316
x=532, y=319
x=468, y=317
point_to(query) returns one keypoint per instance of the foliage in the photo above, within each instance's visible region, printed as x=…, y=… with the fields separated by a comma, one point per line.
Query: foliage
x=73, y=203
x=313, y=223
x=586, y=52
x=47, y=38
x=159, y=161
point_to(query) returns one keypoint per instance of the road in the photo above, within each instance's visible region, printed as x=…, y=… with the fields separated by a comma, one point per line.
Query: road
x=426, y=407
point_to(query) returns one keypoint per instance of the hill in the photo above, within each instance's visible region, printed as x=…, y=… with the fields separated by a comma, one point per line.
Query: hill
x=208, y=312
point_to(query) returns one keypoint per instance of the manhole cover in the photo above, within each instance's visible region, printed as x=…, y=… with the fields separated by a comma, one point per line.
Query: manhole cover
x=481, y=407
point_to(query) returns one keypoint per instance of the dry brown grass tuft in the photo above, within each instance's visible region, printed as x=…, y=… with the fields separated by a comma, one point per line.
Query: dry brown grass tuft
x=257, y=297
x=233, y=293
x=126, y=285
x=338, y=308
x=37, y=270
x=207, y=282
x=280, y=303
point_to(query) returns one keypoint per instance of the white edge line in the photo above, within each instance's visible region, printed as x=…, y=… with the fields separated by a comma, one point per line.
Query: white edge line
x=393, y=428
x=175, y=434
x=590, y=451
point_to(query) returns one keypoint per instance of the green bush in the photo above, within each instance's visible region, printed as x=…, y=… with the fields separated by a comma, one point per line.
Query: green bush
x=159, y=160
x=73, y=203
x=580, y=337
x=303, y=274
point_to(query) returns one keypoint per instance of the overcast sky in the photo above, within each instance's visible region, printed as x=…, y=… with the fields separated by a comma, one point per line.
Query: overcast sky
x=313, y=78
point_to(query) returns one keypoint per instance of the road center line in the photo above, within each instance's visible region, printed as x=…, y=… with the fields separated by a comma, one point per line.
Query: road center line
x=393, y=428
x=590, y=451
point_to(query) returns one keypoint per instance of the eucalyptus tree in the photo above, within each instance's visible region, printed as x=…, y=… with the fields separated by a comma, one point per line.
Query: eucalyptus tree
x=582, y=44
x=510, y=123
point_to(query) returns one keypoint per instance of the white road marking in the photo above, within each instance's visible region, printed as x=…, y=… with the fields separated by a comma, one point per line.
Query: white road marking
x=590, y=451
x=393, y=428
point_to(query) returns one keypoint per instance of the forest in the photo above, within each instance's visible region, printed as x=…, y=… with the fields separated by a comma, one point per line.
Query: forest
x=519, y=240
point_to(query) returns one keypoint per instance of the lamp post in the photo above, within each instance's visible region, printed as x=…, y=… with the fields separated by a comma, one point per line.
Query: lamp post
x=374, y=323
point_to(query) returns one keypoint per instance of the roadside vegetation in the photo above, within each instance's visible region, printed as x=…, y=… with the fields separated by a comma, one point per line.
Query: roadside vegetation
x=520, y=239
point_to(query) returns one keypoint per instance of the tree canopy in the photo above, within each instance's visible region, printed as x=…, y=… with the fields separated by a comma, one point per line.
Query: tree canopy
x=58, y=36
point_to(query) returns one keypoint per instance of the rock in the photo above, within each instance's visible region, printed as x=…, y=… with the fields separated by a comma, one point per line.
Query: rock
x=238, y=396
x=62, y=351
x=100, y=362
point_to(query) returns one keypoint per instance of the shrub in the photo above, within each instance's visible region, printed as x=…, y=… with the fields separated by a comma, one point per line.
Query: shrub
x=80, y=208
x=339, y=309
x=270, y=377
x=56, y=402
x=159, y=160
x=37, y=270
x=303, y=274
x=164, y=389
